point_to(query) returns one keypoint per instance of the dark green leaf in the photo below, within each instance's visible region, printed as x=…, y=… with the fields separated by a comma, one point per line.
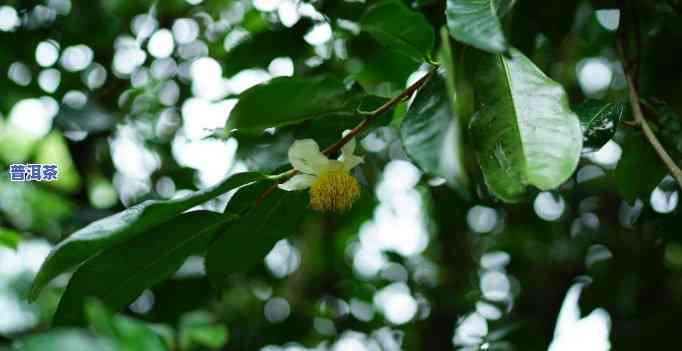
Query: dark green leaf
x=599, y=121
x=524, y=132
x=124, y=332
x=475, y=22
x=261, y=48
x=137, y=264
x=639, y=169
x=289, y=100
x=110, y=231
x=327, y=131
x=397, y=26
x=382, y=72
x=671, y=134
x=9, y=238
x=431, y=133
x=247, y=240
x=245, y=198
x=264, y=152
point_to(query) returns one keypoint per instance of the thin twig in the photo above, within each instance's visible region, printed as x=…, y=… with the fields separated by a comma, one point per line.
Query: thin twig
x=331, y=150
x=653, y=140
x=637, y=111
x=370, y=117
x=631, y=124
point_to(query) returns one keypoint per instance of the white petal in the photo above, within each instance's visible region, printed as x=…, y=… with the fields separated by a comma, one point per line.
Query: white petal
x=305, y=157
x=349, y=148
x=347, y=158
x=298, y=182
x=350, y=161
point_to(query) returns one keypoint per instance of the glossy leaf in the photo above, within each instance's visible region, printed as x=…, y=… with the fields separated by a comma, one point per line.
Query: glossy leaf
x=431, y=133
x=289, y=100
x=599, y=121
x=397, y=26
x=137, y=264
x=246, y=241
x=524, y=132
x=110, y=231
x=639, y=169
x=475, y=22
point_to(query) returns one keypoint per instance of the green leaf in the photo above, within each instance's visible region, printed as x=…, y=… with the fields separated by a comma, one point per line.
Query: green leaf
x=198, y=328
x=264, y=152
x=524, y=132
x=398, y=27
x=247, y=240
x=64, y=339
x=327, y=131
x=30, y=206
x=124, y=332
x=458, y=85
x=289, y=100
x=9, y=238
x=137, y=264
x=259, y=49
x=475, y=22
x=110, y=231
x=381, y=72
x=671, y=134
x=210, y=336
x=431, y=133
x=53, y=149
x=246, y=197
x=599, y=121
x=639, y=169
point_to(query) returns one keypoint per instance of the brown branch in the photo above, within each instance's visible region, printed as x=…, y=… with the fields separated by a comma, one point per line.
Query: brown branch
x=370, y=117
x=380, y=111
x=653, y=140
x=639, y=116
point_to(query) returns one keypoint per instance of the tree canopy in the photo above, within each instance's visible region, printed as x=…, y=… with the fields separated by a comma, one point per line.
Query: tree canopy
x=340, y=175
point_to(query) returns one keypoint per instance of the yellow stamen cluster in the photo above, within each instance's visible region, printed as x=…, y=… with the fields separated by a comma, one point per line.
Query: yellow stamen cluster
x=334, y=191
